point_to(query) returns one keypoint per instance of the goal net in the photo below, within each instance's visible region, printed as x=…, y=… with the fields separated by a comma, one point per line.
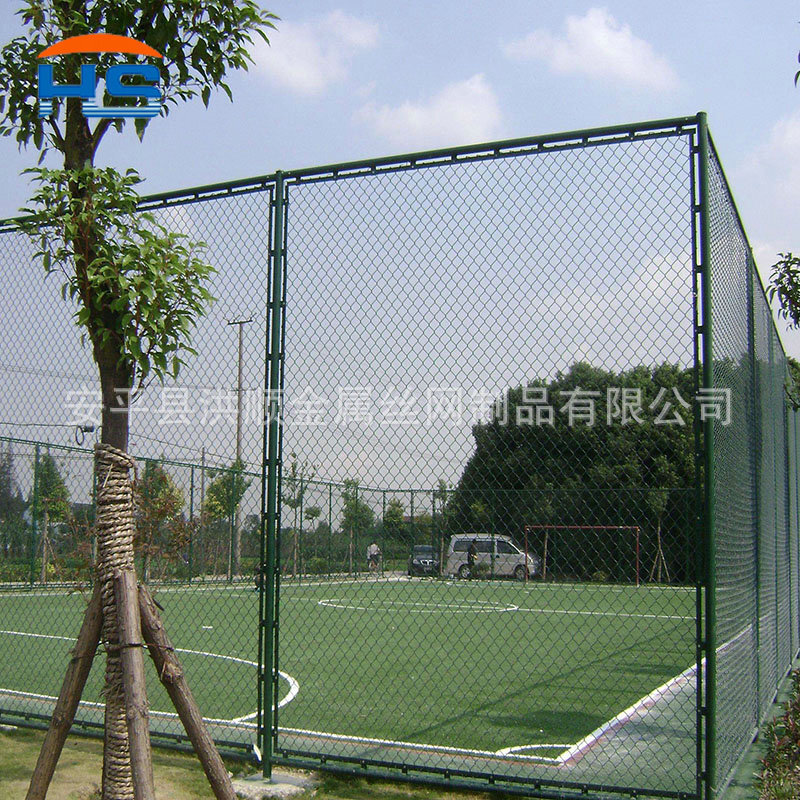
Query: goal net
x=587, y=553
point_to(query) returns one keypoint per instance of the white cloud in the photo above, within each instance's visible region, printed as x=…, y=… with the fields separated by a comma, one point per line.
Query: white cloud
x=600, y=47
x=771, y=178
x=307, y=57
x=766, y=186
x=460, y=113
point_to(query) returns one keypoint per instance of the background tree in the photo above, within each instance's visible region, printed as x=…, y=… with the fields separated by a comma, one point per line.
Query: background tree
x=12, y=508
x=393, y=519
x=443, y=510
x=223, y=495
x=312, y=514
x=139, y=288
x=294, y=485
x=159, y=531
x=357, y=517
x=607, y=474
x=52, y=507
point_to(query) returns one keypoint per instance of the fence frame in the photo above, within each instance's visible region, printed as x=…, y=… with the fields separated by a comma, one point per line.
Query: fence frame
x=278, y=185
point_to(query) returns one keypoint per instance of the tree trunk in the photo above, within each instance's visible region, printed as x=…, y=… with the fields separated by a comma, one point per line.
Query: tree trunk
x=45, y=526
x=115, y=544
x=130, y=637
x=68, y=699
x=171, y=676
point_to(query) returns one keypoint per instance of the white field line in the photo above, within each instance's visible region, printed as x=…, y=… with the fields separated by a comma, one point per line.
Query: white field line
x=432, y=748
x=234, y=589
x=294, y=686
x=508, y=751
x=629, y=713
x=476, y=607
x=606, y=613
x=648, y=701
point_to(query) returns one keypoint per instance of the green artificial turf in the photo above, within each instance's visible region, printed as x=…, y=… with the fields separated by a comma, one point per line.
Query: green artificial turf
x=479, y=665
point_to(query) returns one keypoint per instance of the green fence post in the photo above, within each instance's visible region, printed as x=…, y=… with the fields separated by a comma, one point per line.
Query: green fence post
x=94, y=518
x=413, y=520
x=755, y=443
x=269, y=504
x=383, y=530
x=231, y=521
x=300, y=532
x=356, y=550
x=32, y=542
x=191, y=520
x=330, y=527
x=708, y=447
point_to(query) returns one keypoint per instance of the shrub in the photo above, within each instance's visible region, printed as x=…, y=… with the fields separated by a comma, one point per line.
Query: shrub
x=481, y=570
x=780, y=772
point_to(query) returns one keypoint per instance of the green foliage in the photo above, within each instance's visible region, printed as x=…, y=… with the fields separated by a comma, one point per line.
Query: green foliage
x=200, y=43
x=393, y=518
x=53, y=494
x=356, y=514
x=607, y=474
x=225, y=492
x=793, y=382
x=422, y=525
x=295, y=482
x=12, y=507
x=780, y=771
x=161, y=531
x=784, y=284
x=141, y=287
x=158, y=498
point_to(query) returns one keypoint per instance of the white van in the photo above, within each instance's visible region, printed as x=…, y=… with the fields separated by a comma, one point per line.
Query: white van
x=508, y=559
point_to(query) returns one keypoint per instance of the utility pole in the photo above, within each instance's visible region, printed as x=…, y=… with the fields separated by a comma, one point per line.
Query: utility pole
x=236, y=534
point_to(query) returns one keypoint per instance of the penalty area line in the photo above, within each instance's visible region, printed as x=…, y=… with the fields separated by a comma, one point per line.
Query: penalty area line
x=294, y=686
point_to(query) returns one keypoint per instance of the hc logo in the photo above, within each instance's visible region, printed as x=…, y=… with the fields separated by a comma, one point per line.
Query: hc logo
x=85, y=90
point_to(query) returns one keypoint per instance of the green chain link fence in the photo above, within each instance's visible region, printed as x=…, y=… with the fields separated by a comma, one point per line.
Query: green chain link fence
x=483, y=473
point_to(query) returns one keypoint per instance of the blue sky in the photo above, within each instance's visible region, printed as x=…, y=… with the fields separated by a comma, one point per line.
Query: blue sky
x=348, y=79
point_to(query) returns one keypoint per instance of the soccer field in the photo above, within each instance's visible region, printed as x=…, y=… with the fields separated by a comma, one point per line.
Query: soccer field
x=485, y=666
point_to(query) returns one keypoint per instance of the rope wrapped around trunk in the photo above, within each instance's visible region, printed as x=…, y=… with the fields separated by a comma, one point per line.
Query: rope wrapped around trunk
x=115, y=529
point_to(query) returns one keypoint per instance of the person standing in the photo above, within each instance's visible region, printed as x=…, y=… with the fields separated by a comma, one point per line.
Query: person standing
x=472, y=557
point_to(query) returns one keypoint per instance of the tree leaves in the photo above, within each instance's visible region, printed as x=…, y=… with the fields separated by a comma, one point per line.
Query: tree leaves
x=201, y=43
x=784, y=284
x=140, y=285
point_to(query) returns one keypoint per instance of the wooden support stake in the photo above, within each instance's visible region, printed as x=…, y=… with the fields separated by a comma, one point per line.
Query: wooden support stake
x=68, y=698
x=137, y=716
x=171, y=675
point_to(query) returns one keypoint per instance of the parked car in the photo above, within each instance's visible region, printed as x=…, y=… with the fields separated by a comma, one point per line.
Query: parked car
x=423, y=560
x=499, y=553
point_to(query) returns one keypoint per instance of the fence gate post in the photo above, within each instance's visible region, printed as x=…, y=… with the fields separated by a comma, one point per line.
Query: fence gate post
x=270, y=473
x=34, y=514
x=707, y=382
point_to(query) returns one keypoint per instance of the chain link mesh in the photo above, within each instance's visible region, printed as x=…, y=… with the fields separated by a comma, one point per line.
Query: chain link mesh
x=193, y=503
x=756, y=538
x=441, y=327
x=487, y=545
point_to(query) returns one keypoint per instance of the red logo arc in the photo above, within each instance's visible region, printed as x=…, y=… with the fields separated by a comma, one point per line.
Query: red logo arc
x=100, y=43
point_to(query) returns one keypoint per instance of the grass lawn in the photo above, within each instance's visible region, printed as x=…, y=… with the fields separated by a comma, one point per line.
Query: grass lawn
x=178, y=776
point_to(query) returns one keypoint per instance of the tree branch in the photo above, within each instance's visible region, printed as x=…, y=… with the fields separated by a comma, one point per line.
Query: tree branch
x=59, y=139
x=98, y=133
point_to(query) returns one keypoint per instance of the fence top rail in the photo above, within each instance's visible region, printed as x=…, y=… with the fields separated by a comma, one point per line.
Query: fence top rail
x=677, y=126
